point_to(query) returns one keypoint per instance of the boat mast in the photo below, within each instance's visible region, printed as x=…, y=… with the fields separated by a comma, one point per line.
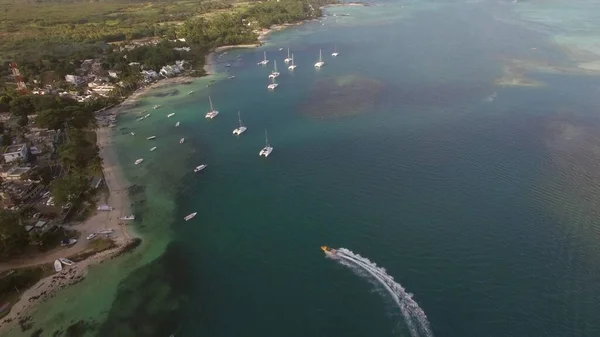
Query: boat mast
x=288, y=52
x=265, y=53
x=239, y=118
x=275, y=66
x=320, y=55
x=266, y=139
x=210, y=101
x=292, y=59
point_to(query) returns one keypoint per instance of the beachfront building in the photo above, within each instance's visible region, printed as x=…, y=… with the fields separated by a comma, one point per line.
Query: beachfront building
x=172, y=70
x=74, y=79
x=102, y=89
x=149, y=75
x=14, y=152
x=14, y=173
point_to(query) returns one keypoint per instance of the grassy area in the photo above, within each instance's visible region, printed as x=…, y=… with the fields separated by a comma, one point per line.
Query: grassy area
x=67, y=27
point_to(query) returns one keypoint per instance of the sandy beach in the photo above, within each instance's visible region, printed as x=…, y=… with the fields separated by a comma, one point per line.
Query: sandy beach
x=123, y=236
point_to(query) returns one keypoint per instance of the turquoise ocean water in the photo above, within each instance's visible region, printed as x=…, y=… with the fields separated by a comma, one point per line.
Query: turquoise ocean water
x=479, y=199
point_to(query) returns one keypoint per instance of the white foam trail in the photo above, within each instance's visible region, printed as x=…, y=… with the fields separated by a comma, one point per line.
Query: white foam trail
x=414, y=316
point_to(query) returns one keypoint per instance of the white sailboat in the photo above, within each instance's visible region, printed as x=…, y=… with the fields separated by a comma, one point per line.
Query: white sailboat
x=288, y=59
x=292, y=66
x=266, y=151
x=335, y=53
x=320, y=63
x=264, y=61
x=212, y=113
x=273, y=84
x=199, y=168
x=239, y=130
x=274, y=73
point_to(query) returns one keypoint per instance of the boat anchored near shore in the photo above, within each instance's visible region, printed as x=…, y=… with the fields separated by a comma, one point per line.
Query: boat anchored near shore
x=190, y=216
x=199, y=168
x=288, y=59
x=320, y=63
x=274, y=73
x=266, y=151
x=181, y=140
x=239, y=130
x=292, y=66
x=264, y=61
x=212, y=113
x=273, y=84
x=139, y=161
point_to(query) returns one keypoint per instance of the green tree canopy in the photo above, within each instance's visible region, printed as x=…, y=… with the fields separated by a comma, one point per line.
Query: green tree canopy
x=13, y=236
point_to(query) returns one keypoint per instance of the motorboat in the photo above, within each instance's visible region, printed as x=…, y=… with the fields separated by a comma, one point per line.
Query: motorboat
x=292, y=66
x=129, y=217
x=106, y=231
x=66, y=261
x=57, y=266
x=181, y=140
x=266, y=151
x=152, y=149
x=139, y=161
x=190, y=216
x=177, y=124
x=264, y=61
x=328, y=251
x=171, y=115
x=212, y=113
x=151, y=137
x=91, y=236
x=231, y=77
x=240, y=129
x=132, y=133
x=156, y=106
x=190, y=92
x=199, y=168
x=274, y=73
x=320, y=63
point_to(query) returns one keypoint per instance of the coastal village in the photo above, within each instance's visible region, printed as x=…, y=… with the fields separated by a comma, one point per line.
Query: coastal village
x=63, y=198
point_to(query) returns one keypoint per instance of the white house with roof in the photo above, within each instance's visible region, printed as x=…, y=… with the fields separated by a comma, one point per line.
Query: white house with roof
x=77, y=80
x=14, y=152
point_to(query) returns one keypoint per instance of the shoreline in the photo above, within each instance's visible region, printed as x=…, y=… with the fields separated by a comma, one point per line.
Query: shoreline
x=124, y=236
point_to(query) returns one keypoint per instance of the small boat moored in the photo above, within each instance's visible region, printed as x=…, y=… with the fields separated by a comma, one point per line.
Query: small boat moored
x=266, y=151
x=181, y=140
x=65, y=261
x=190, y=216
x=171, y=115
x=320, y=63
x=151, y=137
x=177, y=124
x=156, y=106
x=57, y=266
x=139, y=161
x=152, y=149
x=199, y=168
x=130, y=217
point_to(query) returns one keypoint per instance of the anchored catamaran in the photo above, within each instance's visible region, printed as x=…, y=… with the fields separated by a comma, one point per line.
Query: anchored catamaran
x=238, y=131
x=212, y=113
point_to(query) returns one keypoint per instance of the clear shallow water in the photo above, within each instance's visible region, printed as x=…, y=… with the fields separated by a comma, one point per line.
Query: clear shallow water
x=478, y=199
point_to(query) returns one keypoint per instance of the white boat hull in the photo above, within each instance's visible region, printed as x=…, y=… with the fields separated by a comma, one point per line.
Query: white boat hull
x=239, y=130
x=57, y=266
x=319, y=64
x=272, y=86
x=266, y=151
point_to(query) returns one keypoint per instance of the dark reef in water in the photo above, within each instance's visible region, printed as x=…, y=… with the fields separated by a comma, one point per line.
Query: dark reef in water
x=150, y=300
x=166, y=93
x=342, y=96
